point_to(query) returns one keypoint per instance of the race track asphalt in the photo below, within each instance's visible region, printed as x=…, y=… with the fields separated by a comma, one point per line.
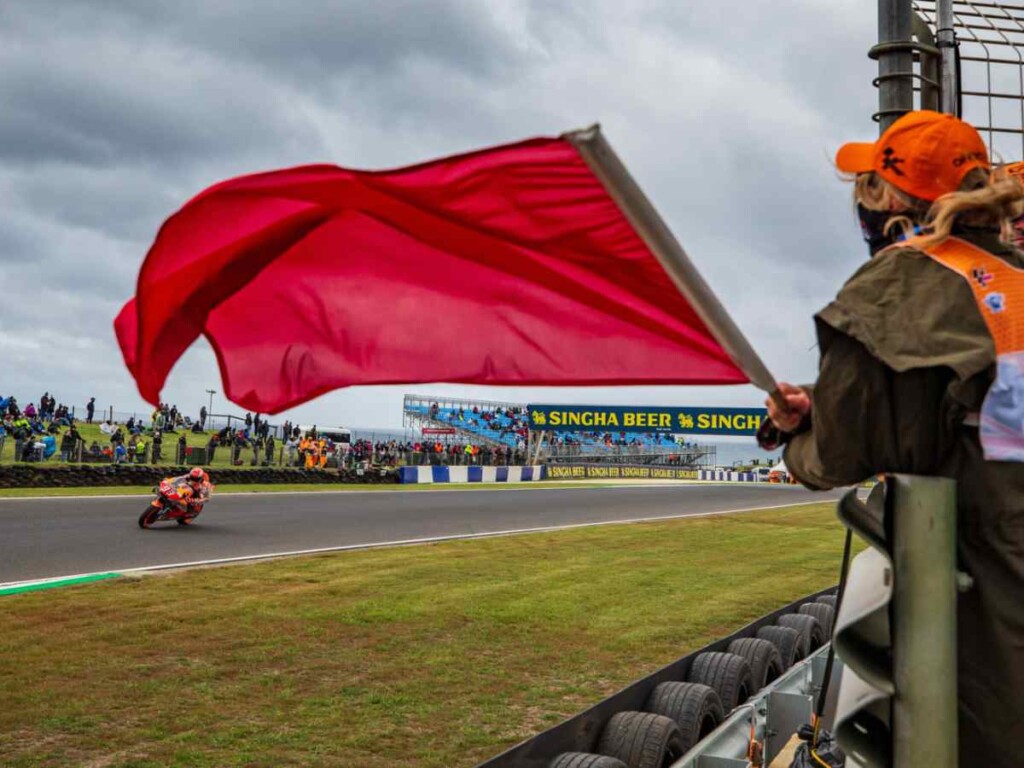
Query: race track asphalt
x=44, y=538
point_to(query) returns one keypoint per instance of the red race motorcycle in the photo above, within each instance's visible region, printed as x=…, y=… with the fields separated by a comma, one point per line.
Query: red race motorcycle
x=175, y=500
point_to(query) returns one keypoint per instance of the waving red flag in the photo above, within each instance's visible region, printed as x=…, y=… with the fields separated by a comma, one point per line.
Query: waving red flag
x=510, y=265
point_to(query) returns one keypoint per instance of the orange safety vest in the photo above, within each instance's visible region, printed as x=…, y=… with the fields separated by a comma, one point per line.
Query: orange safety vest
x=998, y=289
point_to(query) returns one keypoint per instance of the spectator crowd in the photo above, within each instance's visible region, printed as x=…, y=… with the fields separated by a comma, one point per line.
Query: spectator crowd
x=50, y=431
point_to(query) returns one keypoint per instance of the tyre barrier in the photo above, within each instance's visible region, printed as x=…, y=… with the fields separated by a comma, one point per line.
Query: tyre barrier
x=695, y=708
x=808, y=626
x=657, y=721
x=764, y=659
x=825, y=614
x=641, y=739
x=583, y=760
x=727, y=673
x=791, y=645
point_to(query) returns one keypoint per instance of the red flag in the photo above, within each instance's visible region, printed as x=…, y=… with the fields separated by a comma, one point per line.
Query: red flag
x=510, y=265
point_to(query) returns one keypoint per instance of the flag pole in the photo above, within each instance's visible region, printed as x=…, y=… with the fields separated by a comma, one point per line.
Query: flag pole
x=641, y=213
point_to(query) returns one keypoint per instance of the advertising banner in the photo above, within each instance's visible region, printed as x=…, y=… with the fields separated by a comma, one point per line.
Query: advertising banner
x=736, y=422
x=586, y=471
x=439, y=430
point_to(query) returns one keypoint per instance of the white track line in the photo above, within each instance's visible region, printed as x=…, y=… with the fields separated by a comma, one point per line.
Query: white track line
x=402, y=542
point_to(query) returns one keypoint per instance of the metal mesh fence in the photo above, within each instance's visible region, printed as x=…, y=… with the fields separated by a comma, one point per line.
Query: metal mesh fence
x=991, y=64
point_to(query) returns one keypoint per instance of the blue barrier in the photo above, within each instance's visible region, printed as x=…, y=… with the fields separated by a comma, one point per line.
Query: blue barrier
x=444, y=474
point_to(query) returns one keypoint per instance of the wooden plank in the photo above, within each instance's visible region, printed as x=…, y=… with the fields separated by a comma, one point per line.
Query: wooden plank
x=785, y=758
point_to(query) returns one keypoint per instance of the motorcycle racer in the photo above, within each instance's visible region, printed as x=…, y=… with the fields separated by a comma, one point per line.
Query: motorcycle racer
x=179, y=499
x=193, y=488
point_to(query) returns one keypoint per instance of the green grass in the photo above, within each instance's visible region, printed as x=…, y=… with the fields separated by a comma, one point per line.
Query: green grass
x=433, y=656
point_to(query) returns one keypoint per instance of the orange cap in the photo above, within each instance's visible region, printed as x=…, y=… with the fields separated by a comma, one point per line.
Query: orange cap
x=925, y=154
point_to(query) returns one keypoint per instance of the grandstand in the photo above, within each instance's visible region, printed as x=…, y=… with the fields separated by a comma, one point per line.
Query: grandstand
x=495, y=423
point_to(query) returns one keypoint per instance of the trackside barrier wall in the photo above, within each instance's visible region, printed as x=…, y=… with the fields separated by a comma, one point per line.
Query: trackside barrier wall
x=722, y=474
x=616, y=472
x=443, y=474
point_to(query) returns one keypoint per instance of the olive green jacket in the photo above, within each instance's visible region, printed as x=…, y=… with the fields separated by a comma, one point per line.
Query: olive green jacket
x=905, y=356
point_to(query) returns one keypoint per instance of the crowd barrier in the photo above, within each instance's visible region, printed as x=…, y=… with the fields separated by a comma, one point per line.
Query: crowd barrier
x=442, y=474
x=723, y=474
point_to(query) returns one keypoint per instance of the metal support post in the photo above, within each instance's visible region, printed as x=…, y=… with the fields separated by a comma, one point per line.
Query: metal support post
x=931, y=65
x=946, y=41
x=923, y=517
x=895, y=61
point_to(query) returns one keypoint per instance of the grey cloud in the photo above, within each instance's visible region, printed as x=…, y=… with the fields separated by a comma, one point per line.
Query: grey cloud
x=116, y=113
x=311, y=41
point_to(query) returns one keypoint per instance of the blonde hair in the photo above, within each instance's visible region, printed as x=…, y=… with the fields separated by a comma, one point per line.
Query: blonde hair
x=983, y=199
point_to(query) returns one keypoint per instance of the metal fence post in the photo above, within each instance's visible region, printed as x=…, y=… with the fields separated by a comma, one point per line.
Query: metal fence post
x=923, y=514
x=896, y=627
x=946, y=37
x=895, y=61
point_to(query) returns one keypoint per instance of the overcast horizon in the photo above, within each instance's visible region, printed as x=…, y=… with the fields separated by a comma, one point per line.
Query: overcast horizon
x=116, y=114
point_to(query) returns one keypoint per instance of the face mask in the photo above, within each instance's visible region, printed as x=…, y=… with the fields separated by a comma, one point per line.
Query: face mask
x=872, y=227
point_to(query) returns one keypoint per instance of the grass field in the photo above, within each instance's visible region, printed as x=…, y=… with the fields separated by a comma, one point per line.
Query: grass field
x=437, y=655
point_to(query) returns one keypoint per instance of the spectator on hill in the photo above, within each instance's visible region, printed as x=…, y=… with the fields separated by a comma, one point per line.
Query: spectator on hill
x=268, y=450
x=90, y=409
x=140, y=450
x=61, y=416
x=211, y=447
x=120, y=453
x=248, y=421
x=20, y=432
x=202, y=418
x=69, y=444
x=158, y=440
x=30, y=411
x=94, y=450
x=182, y=452
x=238, y=443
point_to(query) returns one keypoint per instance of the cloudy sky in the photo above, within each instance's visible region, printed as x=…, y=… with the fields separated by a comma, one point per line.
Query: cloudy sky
x=113, y=114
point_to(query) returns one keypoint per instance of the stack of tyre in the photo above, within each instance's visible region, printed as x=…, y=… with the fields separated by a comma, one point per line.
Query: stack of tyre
x=677, y=715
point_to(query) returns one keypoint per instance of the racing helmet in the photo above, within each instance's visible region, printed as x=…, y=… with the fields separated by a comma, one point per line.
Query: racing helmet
x=196, y=475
